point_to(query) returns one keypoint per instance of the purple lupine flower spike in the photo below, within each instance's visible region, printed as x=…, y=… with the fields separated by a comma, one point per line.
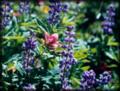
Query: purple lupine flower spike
x=109, y=22
x=67, y=57
x=29, y=46
x=54, y=13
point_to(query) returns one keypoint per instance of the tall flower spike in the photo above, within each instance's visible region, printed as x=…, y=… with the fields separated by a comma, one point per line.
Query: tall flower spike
x=29, y=46
x=67, y=57
x=54, y=13
x=6, y=11
x=109, y=23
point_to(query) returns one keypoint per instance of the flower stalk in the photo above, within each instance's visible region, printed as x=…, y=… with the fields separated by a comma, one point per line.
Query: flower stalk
x=67, y=57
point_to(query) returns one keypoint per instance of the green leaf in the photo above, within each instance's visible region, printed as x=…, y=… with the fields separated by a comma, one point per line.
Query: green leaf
x=57, y=82
x=112, y=66
x=112, y=56
x=10, y=66
x=85, y=61
x=75, y=82
x=85, y=68
x=13, y=58
x=41, y=25
x=47, y=79
x=94, y=50
x=81, y=54
x=20, y=68
x=52, y=63
x=45, y=86
x=112, y=42
x=17, y=37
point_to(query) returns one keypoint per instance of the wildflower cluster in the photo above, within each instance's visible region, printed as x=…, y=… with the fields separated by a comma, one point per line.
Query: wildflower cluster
x=67, y=57
x=89, y=79
x=108, y=23
x=54, y=13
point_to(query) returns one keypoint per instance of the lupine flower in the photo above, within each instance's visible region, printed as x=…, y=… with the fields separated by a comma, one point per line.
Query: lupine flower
x=54, y=13
x=51, y=40
x=88, y=79
x=109, y=23
x=29, y=46
x=67, y=57
x=6, y=11
x=105, y=78
x=24, y=7
x=29, y=87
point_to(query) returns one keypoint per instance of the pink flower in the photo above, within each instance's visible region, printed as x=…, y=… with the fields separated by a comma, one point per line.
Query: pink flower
x=40, y=1
x=51, y=40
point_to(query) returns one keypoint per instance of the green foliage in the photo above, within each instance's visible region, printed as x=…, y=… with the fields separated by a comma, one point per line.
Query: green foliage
x=91, y=47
